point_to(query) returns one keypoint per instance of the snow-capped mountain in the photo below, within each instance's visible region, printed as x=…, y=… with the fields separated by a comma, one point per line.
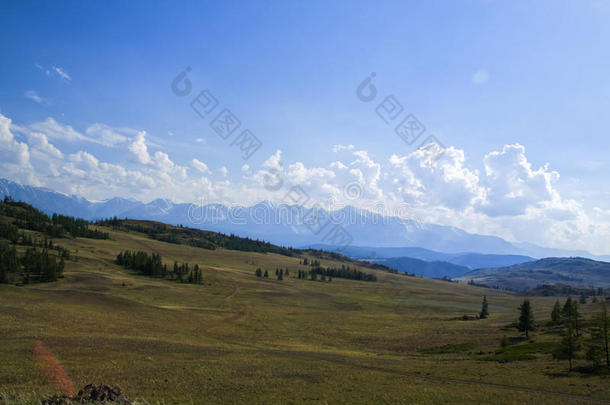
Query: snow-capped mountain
x=282, y=224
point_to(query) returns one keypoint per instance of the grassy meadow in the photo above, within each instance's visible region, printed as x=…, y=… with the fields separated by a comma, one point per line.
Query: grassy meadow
x=242, y=339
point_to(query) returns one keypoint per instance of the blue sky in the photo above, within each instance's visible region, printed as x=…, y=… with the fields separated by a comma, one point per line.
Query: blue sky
x=479, y=75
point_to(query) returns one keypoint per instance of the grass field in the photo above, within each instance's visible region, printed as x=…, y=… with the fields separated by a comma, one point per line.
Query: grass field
x=241, y=339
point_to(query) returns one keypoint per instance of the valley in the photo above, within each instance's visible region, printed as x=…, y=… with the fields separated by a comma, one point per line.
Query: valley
x=238, y=338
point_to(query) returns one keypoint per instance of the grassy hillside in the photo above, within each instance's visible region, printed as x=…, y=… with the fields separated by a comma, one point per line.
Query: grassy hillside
x=571, y=271
x=237, y=338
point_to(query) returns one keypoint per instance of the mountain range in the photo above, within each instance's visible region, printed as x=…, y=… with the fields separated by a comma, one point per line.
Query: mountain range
x=281, y=224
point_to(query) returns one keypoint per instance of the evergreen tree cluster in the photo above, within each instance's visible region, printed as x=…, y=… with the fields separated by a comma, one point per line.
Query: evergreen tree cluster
x=196, y=237
x=152, y=266
x=34, y=266
x=76, y=227
x=576, y=332
x=573, y=336
x=28, y=217
x=10, y=232
x=319, y=272
x=9, y=263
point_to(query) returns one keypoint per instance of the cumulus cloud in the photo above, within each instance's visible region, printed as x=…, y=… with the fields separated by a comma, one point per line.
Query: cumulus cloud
x=109, y=136
x=14, y=155
x=55, y=130
x=38, y=141
x=513, y=186
x=139, y=149
x=449, y=183
x=507, y=196
x=199, y=165
x=274, y=161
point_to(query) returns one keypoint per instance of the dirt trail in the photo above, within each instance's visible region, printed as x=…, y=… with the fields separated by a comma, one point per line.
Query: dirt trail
x=227, y=298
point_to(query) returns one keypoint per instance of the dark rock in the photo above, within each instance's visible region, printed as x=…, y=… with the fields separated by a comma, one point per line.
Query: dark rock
x=91, y=394
x=101, y=393
x=57, y=400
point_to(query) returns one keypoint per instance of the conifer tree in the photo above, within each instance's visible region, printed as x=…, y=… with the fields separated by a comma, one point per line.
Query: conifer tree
x=526, y=318
x=597, y=345
x=556, y=313
x=484, y=308
x=569, y=345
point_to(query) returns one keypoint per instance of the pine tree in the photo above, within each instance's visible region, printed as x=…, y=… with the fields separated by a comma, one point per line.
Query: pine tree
x=569, y=345
x=526, y=318
x=266, y=275
x=484, y=308
x=259, y=272
x=597, y=345
x=567, y=309
x=570, y=314
x=583, y=299
x=556, y=313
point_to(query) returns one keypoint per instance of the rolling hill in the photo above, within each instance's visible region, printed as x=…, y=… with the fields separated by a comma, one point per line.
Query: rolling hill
x=572, y=271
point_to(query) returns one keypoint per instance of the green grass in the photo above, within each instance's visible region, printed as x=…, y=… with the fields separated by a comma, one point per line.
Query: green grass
x=451, y=348
x=241, y=339
x=523, y=352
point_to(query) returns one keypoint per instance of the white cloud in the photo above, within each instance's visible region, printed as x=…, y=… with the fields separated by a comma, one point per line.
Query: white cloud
x=139, y=149
x=274, y=161
x=199, y=165
x=339, y=148
x=56, y=71
x=40, y=142
x=55, y=130
x=97, y=133
x=508, y=197
x=32, y=95
x=14, y=155
x=109, y=136
x=512, y=185
x=61, y=73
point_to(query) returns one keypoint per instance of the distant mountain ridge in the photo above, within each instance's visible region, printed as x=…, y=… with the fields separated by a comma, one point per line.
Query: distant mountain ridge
x=571, y=271
x=434, y=269
x=469, y=260
x=279, y=224
x=427, y=262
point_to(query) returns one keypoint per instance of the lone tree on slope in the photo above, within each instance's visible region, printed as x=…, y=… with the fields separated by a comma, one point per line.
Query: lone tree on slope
x=526, y=318
x=484, y=308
